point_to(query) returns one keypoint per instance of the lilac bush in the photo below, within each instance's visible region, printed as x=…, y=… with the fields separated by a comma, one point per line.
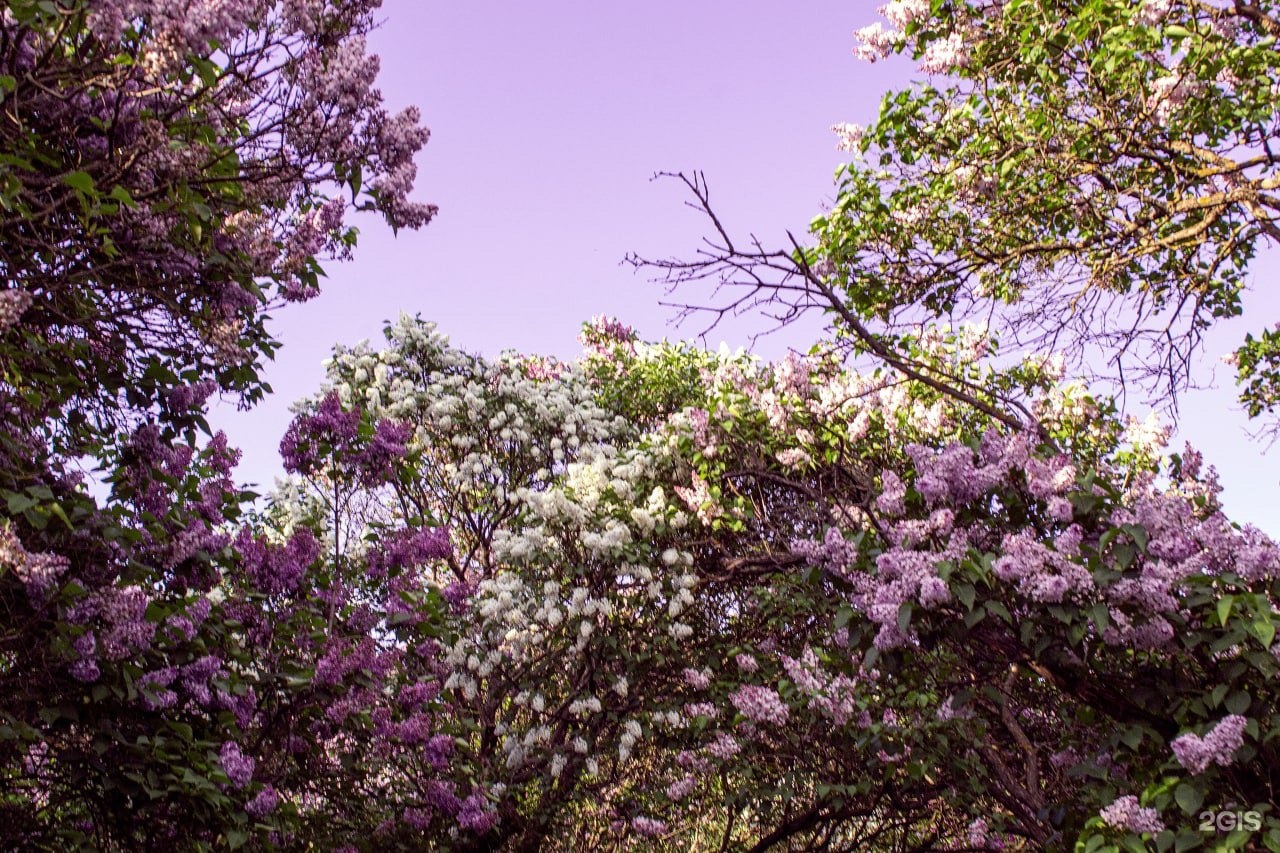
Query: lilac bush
x=171, y=172
x=704, y=595
x=654, y=598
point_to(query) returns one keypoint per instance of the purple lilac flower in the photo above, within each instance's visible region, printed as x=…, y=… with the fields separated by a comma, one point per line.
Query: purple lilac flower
x=86, y=667
x=274, y=569
x=647, y=826
x=237, y=766
x=190, y=398
x=264, y=803
x=329, y=423
x=408, y=548
x=153, y=686
x=125, y=611
x=476, y=815
x=760, y=704
x=1196, y=753
x=1125, y=813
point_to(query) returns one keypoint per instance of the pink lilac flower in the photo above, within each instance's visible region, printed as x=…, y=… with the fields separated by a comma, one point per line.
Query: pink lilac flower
x=760, y=704
x=13, y=304
x=698, y=421
x=1126, y=814
x=695, y=679
x=724, y=746
x=903, y=13
x=698, y=497
x=1042, y=574
x=793, y=457
x=952, y=475
x=806, y=673
x=602, y=335
x=1196, y=753
x=892, y=493
x=945, y=55
x=681, y=788
x=848, y=136
x=876, y=42
x=1256, y=556
x=648, y=826
x=834, y=553
x=38, y=572
x=1060, y=509
x=1049, y=477
x=1152, y=633
x=1152, y=12
x=1169, y=93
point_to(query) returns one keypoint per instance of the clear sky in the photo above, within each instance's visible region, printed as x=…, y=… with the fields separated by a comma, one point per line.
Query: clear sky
x=548, y=121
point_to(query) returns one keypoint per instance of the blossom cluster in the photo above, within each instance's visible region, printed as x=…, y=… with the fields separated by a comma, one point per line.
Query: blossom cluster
x=1217, y=746
x=619, y=603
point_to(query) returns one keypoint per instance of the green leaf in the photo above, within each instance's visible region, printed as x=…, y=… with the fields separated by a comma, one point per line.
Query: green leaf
x=19, y=502
x=1239, y=702
x=1188, y=797
x=1188, y=841
x=1100, y=616
x=122, y=195
x=81, y=181
x=57, y=510
x=1000, y=610
x=1264, y=628
x=904, y=616
x=1224, y=608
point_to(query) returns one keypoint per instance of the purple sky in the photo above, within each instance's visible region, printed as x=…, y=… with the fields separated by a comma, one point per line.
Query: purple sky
x=548, y=120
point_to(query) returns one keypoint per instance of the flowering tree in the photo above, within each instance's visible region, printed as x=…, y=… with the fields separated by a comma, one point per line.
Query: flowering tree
x=700, y=601
x=1091, y=178
x=168, y=172
x=657, y=596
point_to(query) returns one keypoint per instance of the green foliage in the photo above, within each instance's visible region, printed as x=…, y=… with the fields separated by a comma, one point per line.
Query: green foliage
x=1103, y=164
